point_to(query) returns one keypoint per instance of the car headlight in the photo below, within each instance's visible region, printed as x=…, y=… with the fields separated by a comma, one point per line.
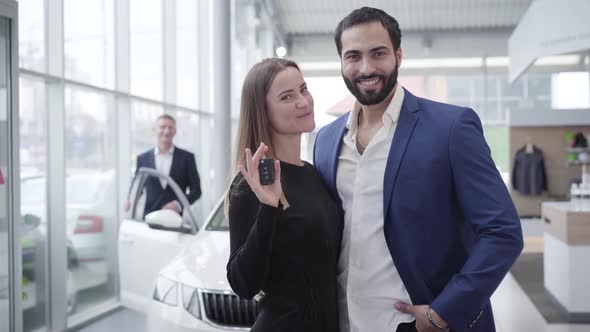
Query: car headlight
x=190, y=301
x=166, y=291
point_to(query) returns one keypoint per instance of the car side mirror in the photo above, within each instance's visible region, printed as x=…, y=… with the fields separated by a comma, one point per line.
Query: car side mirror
x=164, y=219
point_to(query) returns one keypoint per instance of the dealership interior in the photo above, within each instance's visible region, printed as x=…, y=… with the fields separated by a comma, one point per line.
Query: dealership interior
x=83, y=82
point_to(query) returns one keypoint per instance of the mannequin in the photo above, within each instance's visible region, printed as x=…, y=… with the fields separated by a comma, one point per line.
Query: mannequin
x=529, y=147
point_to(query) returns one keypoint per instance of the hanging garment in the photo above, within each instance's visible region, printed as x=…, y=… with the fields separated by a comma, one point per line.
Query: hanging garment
x=528, y=174
x=580, y=141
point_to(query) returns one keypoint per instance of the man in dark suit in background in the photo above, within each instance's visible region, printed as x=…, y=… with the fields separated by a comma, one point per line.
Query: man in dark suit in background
x=179, y=164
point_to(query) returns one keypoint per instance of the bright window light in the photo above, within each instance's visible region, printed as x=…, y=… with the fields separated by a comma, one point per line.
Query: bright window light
x=319, y=65
x=498, y=61
x=442, y=63
x=570, y=90
x=407, y=63
x=433, y=63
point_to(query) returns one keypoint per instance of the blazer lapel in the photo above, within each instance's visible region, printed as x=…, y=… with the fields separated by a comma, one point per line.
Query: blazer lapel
x=405, y=126
x=175, y=164
x=152, y=159
x=335, y=140
x=151, y=163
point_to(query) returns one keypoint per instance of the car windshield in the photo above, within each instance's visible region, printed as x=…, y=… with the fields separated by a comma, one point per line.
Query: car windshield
x=219, y=222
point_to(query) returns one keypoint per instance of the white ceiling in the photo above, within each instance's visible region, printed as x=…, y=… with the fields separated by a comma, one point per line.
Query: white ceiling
x=322, y=16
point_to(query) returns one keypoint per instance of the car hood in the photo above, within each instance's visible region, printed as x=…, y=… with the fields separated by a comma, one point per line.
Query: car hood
x=202, y=264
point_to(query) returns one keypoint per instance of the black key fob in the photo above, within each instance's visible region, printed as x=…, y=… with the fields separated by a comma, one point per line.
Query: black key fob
x=266, y=170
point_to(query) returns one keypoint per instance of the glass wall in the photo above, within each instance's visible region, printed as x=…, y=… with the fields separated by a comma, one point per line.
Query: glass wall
x=31, y=34
x=143, y=117
x=108, y=118
x=33, y=182
x=91, y=216
x=187, y=53
x=146, y=48
x=89, y=41
x=194, y=132
x=5, y=142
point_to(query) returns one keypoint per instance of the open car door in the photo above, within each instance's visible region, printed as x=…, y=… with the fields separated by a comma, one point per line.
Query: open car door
x=147, y=243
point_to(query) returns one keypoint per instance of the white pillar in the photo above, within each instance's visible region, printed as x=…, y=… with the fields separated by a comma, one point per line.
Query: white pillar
x=252, y=22
x=123, y=117
x=56, y=195
x=220, y=70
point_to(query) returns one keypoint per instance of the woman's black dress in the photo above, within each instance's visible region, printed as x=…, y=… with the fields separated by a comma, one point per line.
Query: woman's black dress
x=289, y=254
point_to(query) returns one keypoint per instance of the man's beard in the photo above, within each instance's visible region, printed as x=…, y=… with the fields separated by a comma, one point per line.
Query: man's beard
x=372, y=98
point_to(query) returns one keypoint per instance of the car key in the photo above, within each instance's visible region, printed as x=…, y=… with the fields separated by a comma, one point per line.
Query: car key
x=266, y=170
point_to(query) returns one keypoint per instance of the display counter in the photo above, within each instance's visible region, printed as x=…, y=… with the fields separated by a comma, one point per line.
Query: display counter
x=566, y=259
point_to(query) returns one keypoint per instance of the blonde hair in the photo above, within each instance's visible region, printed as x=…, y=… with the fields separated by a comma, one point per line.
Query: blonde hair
x=254, y=124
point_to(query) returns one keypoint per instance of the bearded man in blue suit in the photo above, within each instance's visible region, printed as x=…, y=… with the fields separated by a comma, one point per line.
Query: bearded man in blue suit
x=430, y=228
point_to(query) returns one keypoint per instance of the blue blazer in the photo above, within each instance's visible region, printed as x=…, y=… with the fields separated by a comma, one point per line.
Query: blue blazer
x=449, y=222
x=183, y=171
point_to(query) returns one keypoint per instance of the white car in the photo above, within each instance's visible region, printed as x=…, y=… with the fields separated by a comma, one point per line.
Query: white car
x=174, y=268
x=90, y=208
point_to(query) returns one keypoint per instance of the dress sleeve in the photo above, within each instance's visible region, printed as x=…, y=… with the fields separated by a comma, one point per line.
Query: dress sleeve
x=251, y=227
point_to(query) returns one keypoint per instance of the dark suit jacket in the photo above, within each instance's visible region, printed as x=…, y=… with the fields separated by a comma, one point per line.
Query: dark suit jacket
x=449, y=222
x=183, y=171
x=528, y=174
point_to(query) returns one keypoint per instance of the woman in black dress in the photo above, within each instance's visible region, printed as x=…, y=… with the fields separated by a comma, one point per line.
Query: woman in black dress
x=285, y=237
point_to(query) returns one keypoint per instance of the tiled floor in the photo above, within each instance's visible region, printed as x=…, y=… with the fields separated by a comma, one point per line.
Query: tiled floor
x=513, y=310
x=124, y=320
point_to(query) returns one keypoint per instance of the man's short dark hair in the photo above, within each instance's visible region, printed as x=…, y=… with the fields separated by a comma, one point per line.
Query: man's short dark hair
x=167, y=117
x=369, y=15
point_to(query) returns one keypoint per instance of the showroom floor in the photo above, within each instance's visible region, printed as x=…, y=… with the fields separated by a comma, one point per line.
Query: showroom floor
x=513, y=310
x=122, y=320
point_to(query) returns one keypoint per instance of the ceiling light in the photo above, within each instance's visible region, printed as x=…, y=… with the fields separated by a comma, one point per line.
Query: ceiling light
x=558, y=60
x=281, y=51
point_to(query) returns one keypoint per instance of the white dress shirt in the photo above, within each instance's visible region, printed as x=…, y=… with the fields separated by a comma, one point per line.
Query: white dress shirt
x=163, y=163
x=368, y=282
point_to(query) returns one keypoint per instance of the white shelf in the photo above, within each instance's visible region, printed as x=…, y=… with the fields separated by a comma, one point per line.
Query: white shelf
x=578, y=150
x=577, y=162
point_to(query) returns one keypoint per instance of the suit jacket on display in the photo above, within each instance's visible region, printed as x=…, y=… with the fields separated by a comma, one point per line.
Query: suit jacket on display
x=183, y=171
x=449, y=222
x=528, y=173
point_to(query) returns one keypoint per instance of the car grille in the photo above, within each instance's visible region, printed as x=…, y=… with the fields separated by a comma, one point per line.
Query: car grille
x=229, y=309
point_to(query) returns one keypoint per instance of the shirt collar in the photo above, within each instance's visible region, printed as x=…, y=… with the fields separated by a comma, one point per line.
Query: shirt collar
x=391, y=112
x=157, y=150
